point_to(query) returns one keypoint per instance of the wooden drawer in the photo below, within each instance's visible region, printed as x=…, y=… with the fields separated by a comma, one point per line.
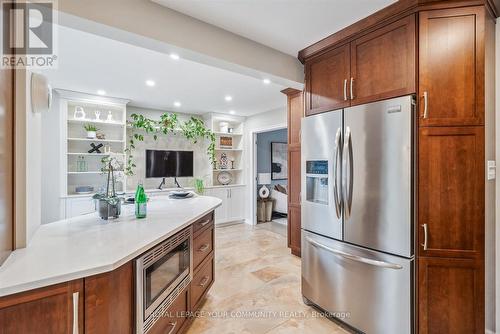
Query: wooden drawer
x=175, y=317
x=202, y=281
x=203, y=222
x=203, y=245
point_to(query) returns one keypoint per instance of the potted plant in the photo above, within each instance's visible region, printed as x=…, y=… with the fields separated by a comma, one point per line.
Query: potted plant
x=91, y=131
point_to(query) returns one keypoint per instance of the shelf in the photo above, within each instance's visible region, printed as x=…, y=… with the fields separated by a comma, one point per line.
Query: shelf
x=97, y=140
x=76, y=173
x=218, y=133
x=96, y=154
x=228, y=170
x=93, y=121
x=229, y=149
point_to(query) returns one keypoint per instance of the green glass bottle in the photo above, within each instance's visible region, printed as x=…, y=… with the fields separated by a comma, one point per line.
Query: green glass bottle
x=141, y=202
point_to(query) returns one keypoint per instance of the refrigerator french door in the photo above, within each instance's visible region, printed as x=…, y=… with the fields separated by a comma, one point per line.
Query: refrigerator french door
x=361, y=260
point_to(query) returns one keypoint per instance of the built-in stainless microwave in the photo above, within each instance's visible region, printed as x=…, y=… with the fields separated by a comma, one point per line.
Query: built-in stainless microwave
x=161, y=275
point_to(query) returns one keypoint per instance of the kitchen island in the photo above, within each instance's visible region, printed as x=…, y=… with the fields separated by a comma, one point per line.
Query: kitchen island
x=94, y=258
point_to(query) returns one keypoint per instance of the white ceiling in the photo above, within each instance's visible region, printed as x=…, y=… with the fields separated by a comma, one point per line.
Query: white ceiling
x=88, y=63
x=285, y=25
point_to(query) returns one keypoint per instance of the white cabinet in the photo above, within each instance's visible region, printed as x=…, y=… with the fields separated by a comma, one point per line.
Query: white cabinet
x=79, y=206
x=233, y=203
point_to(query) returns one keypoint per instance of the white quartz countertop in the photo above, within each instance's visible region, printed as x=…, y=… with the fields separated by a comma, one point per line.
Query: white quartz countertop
x=87, y=245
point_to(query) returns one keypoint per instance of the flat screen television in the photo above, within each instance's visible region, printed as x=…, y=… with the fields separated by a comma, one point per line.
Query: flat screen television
x=169, y=163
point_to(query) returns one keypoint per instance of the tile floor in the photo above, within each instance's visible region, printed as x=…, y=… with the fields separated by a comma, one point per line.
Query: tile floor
x=257, y=286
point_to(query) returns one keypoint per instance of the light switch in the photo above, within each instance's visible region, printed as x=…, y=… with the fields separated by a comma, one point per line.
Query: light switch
x=491, y=169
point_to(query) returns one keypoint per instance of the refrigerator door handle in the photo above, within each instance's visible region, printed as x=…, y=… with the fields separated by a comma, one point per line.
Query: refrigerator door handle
x=336, y=194
x=347, y=168
x=353, y=257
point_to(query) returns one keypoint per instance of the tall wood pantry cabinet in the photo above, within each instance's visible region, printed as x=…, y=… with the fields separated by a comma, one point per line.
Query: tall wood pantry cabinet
x=295, y=108
x=443, y=52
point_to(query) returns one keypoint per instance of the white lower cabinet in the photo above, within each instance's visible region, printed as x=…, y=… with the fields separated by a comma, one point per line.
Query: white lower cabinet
x=233, y=203
x=79, y=206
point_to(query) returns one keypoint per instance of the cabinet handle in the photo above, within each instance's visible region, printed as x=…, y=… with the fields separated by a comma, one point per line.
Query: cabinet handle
x=205, y=222
x=204, y=281
x=203, y=248
x=425, y=236
x=173, y=324
x=76, y=297
x=352, y=89
x=345, y=89
x=426, y=105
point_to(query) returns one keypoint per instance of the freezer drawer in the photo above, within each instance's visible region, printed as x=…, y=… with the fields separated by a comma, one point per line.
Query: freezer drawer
x=372, y=291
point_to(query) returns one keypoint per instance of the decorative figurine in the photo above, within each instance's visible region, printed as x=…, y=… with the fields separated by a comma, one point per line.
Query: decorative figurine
x=79, y=113
x=223, y=161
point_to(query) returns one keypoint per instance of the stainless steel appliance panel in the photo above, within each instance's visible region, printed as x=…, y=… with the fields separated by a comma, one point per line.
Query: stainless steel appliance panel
x=377, y=175
x=368, y=290
x=321, y=148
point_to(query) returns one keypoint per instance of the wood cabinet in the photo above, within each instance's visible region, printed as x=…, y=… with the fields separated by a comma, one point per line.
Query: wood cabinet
x=451, y=296
x=326, y=81
x=295, y=107
x=444, y=52
x=109, y=301
x=451, y=66
x=383, y=63
x=176, y=317
x=56, y=309
x=450, y=191
x=375, y=66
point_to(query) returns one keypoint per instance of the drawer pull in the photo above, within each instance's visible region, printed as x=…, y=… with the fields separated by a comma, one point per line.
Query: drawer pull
x=76, y=297
x=203, y=248
x=204, y=281
x=205, y=222
x=173, y=324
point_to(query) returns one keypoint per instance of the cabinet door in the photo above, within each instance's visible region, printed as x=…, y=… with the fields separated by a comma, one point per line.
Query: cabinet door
x=221, y=212
x=383, y=63
x=326, y=81
x=451, y=67
x=451, y=191
x=57, y=309
x=450, y=296
x=79, y=206
x=294, y=230
x=236, y=207
x=295, y=113
x=109, y=302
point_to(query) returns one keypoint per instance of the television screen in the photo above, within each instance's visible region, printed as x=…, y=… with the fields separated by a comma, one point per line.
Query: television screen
x=169, y=163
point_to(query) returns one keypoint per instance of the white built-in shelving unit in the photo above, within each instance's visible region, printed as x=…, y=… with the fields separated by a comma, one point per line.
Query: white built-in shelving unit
x=77, y=145
x=233, y=152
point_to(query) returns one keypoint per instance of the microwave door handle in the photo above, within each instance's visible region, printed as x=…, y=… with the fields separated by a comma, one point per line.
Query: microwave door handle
x=336, y=194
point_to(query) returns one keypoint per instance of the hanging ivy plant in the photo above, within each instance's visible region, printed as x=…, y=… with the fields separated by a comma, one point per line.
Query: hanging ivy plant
x=193, y=129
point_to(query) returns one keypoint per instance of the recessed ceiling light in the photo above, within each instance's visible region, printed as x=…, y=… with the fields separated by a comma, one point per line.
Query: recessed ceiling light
x=101, y=92
x=174, y=56
x=232, y=112
x=266, y=81
x=177, y=104
x=228, y=98
x=150, y=83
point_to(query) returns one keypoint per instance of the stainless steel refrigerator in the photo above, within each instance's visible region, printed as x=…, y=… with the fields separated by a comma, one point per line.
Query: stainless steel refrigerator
x=357, y=214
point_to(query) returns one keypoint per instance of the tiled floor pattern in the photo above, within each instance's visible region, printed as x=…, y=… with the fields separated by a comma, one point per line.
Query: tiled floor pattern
x=257, y=286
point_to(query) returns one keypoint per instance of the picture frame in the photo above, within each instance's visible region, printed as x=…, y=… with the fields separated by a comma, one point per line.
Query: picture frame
x=279, y=161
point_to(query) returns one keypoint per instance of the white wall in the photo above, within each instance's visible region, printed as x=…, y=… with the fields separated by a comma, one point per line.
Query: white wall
x=51, y=162
x=28, y=173
x=268, y=120
x=202, y=167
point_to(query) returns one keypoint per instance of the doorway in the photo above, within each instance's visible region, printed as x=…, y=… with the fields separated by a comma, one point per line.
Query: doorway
x=270, y=178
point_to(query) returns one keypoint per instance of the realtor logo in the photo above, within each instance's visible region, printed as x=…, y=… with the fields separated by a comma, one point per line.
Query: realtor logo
x=28, y=34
